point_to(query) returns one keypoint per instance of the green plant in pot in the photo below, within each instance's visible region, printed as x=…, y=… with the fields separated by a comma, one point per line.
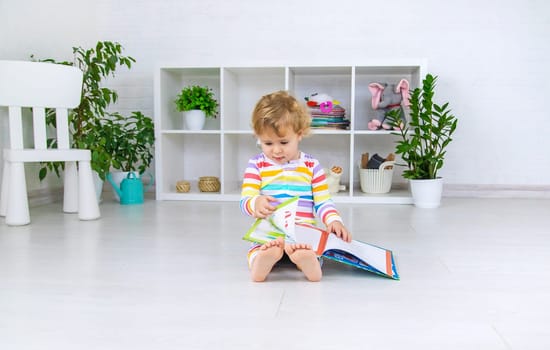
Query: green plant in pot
x=87, y=121
x=197, y=103
x=423, y=142
x=130, y=141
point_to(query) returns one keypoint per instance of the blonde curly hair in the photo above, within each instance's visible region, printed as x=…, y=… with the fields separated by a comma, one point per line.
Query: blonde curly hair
x=279, y=111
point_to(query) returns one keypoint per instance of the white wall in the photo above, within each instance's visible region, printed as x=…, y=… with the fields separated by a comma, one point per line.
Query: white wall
x=491, y=57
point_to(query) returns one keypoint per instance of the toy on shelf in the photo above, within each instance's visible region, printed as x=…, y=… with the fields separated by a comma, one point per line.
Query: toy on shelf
x=333, y=179
x=387, y=97
x=326, y=112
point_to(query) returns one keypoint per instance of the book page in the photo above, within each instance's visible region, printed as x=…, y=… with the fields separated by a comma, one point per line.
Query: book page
x=370, y=254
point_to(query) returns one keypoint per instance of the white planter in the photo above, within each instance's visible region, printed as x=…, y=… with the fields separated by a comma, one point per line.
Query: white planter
x=194, y=119
x=427, y=193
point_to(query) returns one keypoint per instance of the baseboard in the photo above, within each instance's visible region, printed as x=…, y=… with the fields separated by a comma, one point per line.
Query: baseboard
x=497, y=191
x=51, y=195
x=45, y=196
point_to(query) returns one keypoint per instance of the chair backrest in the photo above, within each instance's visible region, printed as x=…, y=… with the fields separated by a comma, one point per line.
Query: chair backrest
x=39, y=85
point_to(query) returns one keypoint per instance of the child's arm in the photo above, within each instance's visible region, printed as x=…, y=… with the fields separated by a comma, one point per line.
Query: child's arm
x=252, y=202
x=324, y=206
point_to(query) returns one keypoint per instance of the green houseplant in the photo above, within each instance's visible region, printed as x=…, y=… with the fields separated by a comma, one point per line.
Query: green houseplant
x=423, y=141
x=131, y=141
x=92, y=127
x=196, y=98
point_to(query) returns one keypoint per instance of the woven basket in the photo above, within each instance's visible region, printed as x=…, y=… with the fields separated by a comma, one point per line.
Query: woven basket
x=209, y=184
x=377, y=180
x=183, y=186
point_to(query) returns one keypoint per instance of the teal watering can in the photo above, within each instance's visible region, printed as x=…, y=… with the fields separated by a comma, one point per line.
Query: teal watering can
x=131, y=188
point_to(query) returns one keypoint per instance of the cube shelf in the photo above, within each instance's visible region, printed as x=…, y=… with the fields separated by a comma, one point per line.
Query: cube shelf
x=223, y=148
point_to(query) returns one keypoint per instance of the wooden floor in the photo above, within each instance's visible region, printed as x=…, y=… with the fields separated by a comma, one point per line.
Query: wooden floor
x=475, y=274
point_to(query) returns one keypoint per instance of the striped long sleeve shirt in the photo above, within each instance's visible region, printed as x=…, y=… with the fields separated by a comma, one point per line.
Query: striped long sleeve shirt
x=303, y=177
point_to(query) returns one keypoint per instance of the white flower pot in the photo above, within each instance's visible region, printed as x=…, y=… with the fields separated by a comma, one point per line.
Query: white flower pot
x=194, y=119
x=427, y=193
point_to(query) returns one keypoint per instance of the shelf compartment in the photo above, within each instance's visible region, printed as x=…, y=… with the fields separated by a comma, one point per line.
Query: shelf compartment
x=242, y=88
x=330, y=150
x=363, y=111
x=334, y=81
x=187, y=157
x=171, y=81
x=237, y=150
x=371, y=144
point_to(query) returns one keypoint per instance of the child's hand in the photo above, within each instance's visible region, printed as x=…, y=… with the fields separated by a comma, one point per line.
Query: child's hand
x=263, y=207
x=340, y=230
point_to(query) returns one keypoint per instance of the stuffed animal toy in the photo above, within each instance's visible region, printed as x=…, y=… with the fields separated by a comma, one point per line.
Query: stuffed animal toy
x=386, y=97
x=324, y=101
x=333, y=179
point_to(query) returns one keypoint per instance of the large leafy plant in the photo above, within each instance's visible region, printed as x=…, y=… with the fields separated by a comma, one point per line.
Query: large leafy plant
x=89, y=122
x=424, y=140
x=131, y=141
x=197, y=97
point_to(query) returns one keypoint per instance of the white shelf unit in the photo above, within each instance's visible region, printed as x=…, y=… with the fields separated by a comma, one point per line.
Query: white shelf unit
x=223, y=148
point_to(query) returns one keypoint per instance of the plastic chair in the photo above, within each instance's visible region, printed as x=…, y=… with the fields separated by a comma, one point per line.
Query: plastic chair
x=40, y=86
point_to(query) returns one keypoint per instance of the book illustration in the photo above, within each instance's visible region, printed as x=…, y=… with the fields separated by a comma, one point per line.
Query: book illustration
x=284, y=218
x=356, y=253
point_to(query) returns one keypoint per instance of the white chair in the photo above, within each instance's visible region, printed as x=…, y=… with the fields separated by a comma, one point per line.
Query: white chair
x=40, y=86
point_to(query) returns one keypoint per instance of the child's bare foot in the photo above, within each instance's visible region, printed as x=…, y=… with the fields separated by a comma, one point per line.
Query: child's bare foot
x=268, y=254
x=306, y=260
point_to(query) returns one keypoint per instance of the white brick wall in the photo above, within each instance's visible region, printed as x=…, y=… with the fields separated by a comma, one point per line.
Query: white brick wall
x=491, y=56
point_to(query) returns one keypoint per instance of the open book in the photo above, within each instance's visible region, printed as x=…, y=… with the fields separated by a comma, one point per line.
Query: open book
x=356, y=253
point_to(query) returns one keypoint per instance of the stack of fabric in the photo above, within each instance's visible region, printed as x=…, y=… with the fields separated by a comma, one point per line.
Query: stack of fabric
x=326, y=113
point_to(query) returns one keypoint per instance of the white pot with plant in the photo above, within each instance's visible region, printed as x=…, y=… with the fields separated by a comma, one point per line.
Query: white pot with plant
x=423, y=143
x=197, y=103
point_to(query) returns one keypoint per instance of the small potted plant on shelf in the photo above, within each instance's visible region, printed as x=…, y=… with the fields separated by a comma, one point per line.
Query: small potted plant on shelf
x=197, y=103
x=423, y=141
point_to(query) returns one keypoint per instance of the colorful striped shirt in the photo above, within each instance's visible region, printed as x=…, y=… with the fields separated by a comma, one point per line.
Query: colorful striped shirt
x=303, y=177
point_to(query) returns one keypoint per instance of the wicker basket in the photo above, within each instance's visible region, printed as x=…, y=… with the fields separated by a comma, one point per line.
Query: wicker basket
x=183, y=186
x=209, y=184
x=377, y=180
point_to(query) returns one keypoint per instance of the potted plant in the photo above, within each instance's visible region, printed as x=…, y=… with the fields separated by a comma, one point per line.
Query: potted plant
x=197, y=103
x=422, y=144
x=129, y=141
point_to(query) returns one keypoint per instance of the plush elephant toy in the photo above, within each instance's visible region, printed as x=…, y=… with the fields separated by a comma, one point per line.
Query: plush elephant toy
x=386, y=97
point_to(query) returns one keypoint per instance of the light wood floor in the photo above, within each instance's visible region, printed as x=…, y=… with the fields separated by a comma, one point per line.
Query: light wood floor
x=475, y=274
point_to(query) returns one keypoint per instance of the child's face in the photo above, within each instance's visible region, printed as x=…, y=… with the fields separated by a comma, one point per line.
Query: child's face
x=280, y=149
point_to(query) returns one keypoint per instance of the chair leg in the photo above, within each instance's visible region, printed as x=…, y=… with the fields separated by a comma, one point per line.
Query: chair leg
x=4, y=194
x=88, y=209
x=70, y=188
x=17, y=212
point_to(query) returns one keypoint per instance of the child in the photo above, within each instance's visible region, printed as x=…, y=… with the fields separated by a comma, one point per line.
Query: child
x=281, y=172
